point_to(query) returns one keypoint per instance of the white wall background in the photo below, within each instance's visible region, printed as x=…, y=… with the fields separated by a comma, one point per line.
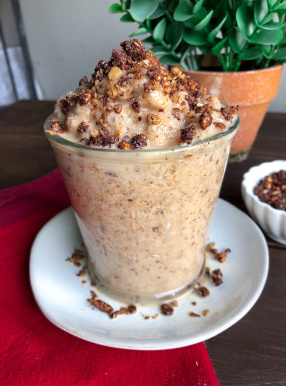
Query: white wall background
x=67, y=38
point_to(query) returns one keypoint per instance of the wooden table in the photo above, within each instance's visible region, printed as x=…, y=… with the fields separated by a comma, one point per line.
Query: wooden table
x=253, y=351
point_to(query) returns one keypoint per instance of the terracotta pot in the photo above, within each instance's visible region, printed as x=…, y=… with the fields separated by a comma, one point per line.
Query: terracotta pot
x=252, y=91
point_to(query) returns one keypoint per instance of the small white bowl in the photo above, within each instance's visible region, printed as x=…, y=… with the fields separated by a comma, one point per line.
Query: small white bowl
x=271, y=220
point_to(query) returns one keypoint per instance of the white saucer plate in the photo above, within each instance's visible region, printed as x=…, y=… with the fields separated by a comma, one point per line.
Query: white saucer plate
x=62, y=297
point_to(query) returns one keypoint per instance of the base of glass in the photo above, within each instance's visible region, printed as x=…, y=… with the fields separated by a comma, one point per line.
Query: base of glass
x=238, y=157
x=145, y=299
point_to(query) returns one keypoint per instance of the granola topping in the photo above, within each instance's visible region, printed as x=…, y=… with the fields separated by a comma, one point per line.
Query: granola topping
x=174, y=109
x=139, y=140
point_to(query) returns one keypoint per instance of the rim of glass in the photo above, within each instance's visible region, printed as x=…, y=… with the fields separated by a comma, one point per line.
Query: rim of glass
x=62, y=141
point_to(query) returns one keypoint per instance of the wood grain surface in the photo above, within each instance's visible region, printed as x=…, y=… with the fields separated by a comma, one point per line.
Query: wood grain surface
x=253, y=351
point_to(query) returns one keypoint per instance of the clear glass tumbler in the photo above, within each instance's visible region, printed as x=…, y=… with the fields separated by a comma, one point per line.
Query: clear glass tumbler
x=144, y=215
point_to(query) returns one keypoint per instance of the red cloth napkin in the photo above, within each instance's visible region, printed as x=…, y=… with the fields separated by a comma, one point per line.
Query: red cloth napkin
x=35, y=352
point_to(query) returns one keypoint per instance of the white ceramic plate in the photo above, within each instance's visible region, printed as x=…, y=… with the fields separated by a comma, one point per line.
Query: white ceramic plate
x=63, y=299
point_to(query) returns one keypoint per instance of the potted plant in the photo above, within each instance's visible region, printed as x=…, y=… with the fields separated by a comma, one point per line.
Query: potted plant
x=233, y=48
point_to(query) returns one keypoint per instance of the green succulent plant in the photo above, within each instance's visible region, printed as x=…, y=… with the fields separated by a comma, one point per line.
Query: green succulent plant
x=183, y=31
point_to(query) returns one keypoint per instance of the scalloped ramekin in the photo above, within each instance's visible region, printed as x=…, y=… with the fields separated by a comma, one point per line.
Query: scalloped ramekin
x=272, y=221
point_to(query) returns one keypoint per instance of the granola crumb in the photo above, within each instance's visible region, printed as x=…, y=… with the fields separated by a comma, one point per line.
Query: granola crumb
x=188, y=134
x=167, y=309
x=84, y=282
x=132, y=309
x=219, y=256
x=122, y=311
x=76, y=258
x=194, y=303
x=206, y=312
x=207, y=272
x=146, y=317
x=98, y=303
x=153, y=119
x=94, y=296
x=136, y=106
x=229, y=112
x=217, y=277
x=212, y=248
x=203, y=291
x=82, y=272
x=155, y=316
x=139, y=141
x=102, y=306
x=194, y=315
x=173, y=303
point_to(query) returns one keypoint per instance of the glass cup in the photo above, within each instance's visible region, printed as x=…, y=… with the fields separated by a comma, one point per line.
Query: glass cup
x=144, y=215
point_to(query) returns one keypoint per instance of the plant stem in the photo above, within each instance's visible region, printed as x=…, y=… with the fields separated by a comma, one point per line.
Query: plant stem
x=183, y=58
x=267, y=62
x=222, y=61
x=190, y=65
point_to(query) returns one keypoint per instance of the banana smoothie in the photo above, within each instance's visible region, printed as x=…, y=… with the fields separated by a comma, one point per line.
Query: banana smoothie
x=142, y=152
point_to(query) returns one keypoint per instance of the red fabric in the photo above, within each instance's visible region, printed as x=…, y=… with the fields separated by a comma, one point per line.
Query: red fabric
x=35, y=352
